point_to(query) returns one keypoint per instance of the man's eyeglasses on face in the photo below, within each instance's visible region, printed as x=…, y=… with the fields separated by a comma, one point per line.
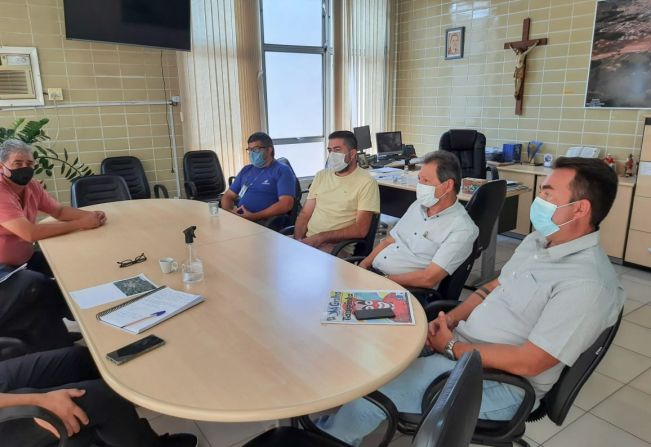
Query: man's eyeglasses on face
x=255, y=149
x=130, y=262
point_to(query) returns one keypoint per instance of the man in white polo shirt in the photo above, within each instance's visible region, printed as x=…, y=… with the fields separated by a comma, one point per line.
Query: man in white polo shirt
x=552, y=300
x=434, y=236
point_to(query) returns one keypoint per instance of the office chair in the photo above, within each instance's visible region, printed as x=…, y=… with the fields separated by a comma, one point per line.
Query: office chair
x=204, y=179
x=363, y=246
x=32, y=411
x=470, y=148
x=278, y=222
x=94, y=189
x=555, y=404
x=131, y=170
x=449, y=422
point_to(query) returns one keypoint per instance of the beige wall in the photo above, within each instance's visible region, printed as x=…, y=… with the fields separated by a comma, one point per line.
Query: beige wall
x=92, y=72
x=434, y=95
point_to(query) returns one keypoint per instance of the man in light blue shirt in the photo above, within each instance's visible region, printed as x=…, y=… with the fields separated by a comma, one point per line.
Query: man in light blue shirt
x=553, y=298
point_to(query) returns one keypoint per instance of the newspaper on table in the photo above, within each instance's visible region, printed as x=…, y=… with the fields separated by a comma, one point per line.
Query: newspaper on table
x=343, y=303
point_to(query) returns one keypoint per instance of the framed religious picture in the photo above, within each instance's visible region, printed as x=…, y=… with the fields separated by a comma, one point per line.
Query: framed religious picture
x=454, y=42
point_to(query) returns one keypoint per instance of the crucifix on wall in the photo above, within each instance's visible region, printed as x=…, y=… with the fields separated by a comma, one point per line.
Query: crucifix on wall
x=522, y=49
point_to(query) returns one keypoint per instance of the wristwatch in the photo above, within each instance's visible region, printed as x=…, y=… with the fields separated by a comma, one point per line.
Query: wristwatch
x=449, y=349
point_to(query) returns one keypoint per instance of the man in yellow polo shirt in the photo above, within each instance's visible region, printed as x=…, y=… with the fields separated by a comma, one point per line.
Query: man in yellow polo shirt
x=342, y=198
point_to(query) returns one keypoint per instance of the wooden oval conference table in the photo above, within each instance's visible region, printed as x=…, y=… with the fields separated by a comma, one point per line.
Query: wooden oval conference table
x=255, y=349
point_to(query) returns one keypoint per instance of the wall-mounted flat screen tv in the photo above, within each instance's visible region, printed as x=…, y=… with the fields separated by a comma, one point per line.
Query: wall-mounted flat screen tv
x=154, y=23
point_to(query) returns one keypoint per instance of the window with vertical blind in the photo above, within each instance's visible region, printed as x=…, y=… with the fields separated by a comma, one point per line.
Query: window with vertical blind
x=295, y=67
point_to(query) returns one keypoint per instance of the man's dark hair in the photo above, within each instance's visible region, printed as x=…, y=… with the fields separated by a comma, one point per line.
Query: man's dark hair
x=447, y=167
x=594, y=181
x=264, y=139
x=349, y=138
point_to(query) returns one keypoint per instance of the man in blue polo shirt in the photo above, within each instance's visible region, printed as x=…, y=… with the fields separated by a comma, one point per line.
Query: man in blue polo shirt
x=263, y=189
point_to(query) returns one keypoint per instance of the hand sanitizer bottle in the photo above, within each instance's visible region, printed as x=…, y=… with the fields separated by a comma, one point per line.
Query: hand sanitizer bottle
x=192, y=268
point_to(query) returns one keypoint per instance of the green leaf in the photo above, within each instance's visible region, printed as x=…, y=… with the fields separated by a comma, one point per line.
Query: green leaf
x=63, y=167
x=48, y=172
x=65, y=153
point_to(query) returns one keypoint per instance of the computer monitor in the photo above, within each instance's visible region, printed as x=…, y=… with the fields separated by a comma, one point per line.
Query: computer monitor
x=363, y=136
x=388, y=144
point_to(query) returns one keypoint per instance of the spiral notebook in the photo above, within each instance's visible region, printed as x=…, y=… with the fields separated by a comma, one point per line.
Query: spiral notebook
x=141, y=313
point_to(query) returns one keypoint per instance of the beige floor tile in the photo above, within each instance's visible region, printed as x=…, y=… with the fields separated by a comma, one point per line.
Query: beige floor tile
x=634, y=337
x=597, y=388
x=642, y=382
x=628, y=409
x=630, y=305
x=635, y=288
x=169, y=424
x=623, y=365
x=638, y=275
x=147, y=414
x=620, y=268
x=403, y=441
x=544, y=429
x=594, y=432
x=641, y=316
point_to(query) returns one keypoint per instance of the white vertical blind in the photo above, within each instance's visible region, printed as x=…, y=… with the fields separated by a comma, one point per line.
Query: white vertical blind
x=363, y=90
x=210, y=97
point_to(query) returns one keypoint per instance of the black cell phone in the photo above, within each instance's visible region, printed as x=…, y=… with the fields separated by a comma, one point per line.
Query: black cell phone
x=372, y=314
x=133, y=350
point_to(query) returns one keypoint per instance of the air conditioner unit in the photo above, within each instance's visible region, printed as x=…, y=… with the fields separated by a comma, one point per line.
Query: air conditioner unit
x=20, y=77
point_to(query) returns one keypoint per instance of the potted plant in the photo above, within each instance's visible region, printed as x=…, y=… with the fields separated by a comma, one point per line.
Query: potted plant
x=32, y=133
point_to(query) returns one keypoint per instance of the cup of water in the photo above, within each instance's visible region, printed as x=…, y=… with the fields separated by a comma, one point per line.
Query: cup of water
x=213, y=208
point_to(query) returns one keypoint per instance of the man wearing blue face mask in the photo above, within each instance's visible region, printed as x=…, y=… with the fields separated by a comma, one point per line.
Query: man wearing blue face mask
x=553, y=298
x=434, y=236
x=263, y=189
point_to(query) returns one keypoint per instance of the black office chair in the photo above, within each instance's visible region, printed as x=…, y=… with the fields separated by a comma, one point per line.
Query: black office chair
x=278, y=222
x=131, y=170
x=555, y=404
x=450, y=419
x=32, y=411
x=363, y=246
x=94, y=189
x=470, y=148
x=204, y=178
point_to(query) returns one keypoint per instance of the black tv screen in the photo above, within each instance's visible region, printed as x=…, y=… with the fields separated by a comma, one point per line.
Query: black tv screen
x=154, y=23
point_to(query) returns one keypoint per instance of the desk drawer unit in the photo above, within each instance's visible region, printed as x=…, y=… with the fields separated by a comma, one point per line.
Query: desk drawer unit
x=638, y=249
x=641, y=215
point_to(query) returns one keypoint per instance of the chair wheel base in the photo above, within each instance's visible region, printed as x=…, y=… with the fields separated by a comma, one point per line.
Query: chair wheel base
x=521, y=442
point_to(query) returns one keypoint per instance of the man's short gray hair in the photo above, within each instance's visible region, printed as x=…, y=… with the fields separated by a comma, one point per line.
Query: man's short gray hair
x=9, y=147
x=447, y=167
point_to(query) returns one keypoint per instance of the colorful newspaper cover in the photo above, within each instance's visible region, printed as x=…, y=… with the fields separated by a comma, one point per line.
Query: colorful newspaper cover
x=342, y=304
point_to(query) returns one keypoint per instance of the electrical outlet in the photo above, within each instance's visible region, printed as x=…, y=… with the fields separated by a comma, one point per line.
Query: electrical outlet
x=55, y=94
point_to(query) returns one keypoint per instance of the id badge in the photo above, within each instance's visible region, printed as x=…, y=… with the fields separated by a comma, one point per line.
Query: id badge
x=243, y=191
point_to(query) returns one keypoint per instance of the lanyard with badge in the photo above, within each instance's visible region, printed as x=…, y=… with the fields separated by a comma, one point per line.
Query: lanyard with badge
x=246, y=187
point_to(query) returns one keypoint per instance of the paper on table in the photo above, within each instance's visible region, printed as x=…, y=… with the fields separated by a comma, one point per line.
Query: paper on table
x=105, y=293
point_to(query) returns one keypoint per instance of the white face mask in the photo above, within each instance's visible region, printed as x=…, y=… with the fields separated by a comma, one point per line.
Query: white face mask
x=336, y=162
x=426, y=195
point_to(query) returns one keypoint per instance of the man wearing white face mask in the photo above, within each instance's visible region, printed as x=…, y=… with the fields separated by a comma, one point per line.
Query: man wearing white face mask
x=342, y=198
x=554, y=297
x=434, y=236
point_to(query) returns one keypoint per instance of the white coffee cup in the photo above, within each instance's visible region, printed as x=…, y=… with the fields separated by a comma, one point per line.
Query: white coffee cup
x=168, y=265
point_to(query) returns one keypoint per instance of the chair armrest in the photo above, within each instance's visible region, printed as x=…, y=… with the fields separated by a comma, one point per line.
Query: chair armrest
x=190, y=190
x=231, y=179
x=161, y=189
x=355, y=259
x=495, y=175
x=30, y=412
x=12, y=347
x=379, y=400
x=287, y=231
x=520, y=416
x=432, y=309
x=341, y=245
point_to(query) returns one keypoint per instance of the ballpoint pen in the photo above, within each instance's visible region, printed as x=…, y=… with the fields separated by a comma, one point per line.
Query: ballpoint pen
x=155, y=314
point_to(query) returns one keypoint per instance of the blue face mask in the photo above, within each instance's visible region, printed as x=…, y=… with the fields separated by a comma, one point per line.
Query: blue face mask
x=541, y=213
x=257, y=159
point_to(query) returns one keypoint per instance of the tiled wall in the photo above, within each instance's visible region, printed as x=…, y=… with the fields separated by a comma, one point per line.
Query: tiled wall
x=91, y=72
x=434, y=95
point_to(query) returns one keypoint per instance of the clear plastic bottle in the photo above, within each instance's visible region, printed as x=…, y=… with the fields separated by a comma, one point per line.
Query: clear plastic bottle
x=192, y=268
